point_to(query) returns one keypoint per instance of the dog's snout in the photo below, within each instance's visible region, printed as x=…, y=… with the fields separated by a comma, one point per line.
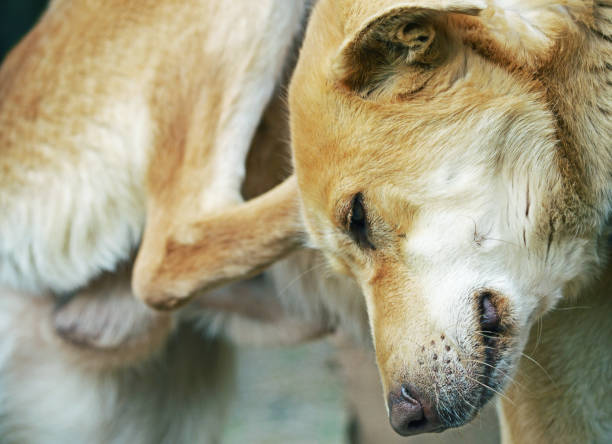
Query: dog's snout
x=409, y=414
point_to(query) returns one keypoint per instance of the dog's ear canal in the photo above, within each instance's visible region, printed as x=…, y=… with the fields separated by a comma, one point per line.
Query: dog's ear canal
x=398, y=47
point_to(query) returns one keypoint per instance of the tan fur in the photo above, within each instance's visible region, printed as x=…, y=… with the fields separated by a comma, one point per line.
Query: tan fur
x=173, y=156
x=479, y=104
x=148, y=116
x=113, y=117
x=478, y=134
x=215, y=246
x=108, y=326
x=560, y=385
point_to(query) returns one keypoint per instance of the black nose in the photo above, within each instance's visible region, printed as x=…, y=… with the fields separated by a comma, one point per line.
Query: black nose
x=409, y=415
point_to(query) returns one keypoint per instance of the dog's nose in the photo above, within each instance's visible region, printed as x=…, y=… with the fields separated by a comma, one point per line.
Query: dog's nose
x=409, y=415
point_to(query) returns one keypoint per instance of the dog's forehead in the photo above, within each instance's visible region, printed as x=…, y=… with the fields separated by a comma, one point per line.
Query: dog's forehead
x=346, y=148
x=343, y=144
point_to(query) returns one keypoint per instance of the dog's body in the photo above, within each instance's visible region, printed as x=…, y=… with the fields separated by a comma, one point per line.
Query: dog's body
x=52, y=392
x=86, y=101
x=106, y=109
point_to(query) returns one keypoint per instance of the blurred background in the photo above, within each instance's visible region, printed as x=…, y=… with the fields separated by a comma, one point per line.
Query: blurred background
x=323, y=392
x=16, y=17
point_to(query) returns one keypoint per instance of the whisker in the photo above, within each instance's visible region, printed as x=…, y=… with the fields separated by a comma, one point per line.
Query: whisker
x=523, y=354
x=299, y=276
x=474, y=409
x=482, y=333
x=577, y=307
x=437, y=402
x=539, y=337
x=458, y=417
x=541, y=367
x=490, y=388
x=503, y=241
x=506, y=375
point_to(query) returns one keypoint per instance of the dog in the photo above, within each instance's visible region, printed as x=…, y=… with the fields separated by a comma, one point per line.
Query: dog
x=182, y=207
x=84, y=99
x=454, y=158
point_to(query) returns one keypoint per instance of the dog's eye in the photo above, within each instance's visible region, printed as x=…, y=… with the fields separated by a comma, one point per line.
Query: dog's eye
x=358, y=223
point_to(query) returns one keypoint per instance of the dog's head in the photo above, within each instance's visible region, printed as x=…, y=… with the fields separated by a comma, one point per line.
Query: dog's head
x=429, y=172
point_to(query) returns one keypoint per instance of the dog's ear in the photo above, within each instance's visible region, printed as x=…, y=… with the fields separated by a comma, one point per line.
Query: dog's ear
x=397, y=41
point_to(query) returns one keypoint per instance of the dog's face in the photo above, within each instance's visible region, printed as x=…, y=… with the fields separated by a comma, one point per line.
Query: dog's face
x=428, y=173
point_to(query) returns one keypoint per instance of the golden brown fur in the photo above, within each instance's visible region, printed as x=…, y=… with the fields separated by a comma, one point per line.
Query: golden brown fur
x=476, y=136
x=109, y=110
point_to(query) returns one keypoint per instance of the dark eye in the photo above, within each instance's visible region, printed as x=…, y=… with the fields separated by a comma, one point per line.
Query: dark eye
x=358, y=223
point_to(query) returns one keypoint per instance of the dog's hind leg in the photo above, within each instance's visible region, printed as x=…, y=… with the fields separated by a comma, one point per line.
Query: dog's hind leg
x=231, y=244
x=198, y=232
x=54, y=392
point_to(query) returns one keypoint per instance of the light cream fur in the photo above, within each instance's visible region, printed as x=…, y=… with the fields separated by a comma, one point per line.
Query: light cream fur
x=93, y=136
x=481, y=144
x=94, y=98
x=52, y=392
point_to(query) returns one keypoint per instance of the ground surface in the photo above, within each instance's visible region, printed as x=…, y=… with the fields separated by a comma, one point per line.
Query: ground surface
x=297, y=395
x=288, y=395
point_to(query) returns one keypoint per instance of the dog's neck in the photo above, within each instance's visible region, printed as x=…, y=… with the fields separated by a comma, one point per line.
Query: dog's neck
x=582, y=110
x=577, y=83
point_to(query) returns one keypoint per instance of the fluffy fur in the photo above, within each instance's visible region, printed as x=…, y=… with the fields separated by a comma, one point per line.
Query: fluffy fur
x=477, y=136
x=477, y=133
x=93, y=142
x=52, y=392
x=114, y=117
